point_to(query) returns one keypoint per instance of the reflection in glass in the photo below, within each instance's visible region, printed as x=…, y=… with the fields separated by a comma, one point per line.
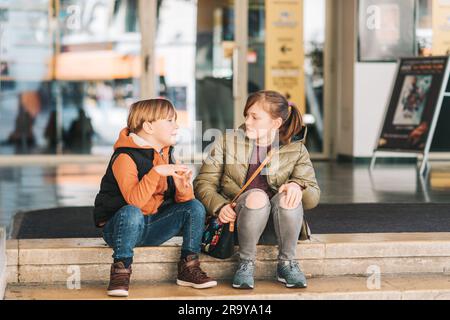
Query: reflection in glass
x=314, y=40
x=194, y=62
x=25, y=56
x=66, y=86
x=97, y=70
x=214, y=63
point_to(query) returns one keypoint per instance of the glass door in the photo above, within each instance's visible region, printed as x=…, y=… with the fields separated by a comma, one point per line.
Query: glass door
x=277, y=30
x=194, y=65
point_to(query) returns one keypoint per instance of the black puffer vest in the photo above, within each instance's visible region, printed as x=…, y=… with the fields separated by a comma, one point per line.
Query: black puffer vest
x=109, y=199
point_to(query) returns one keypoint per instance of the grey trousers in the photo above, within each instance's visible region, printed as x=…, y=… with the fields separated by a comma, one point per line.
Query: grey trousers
x=252, y=223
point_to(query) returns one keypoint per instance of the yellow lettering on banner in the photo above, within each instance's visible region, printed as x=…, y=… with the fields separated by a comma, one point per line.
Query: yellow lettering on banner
x=284, y=50
x=441, y=27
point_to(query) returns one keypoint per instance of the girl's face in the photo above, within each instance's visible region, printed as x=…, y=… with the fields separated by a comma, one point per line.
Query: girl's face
x=164, y=131
x=259, y=124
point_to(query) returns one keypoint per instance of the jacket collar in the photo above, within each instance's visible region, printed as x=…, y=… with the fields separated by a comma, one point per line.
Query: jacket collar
x=141, y=142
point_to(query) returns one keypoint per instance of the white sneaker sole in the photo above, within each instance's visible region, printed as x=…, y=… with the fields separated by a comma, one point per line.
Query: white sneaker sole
x=205, y=285
x=240, y=286
x=291, y=285
x=118, y=293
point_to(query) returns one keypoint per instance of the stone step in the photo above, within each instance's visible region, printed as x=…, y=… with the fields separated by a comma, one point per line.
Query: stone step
x=55, y=260
x=3, y=270
x=391, y=287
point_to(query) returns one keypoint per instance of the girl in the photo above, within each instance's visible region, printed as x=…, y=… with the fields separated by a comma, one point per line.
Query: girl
x=278, y=195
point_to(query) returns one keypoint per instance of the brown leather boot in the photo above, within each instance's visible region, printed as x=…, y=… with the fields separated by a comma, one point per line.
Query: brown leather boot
x=119, y=280
x=190, y=274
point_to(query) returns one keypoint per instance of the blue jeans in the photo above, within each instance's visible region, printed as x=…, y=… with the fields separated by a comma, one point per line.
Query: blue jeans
x=130, y=228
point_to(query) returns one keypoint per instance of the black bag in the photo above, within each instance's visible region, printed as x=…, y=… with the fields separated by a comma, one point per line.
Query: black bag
x=217, y=240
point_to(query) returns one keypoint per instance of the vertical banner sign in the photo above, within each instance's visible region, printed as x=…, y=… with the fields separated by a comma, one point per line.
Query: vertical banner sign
x=284, y=50
x=441, y=27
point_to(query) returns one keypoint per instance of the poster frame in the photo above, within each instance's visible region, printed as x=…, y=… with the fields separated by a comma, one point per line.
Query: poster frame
x=442, y=93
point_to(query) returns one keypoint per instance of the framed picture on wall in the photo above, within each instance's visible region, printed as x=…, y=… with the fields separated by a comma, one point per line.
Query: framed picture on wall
x=386, y=29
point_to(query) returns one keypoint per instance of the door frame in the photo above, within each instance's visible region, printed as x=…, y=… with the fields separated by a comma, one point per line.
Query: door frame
x=240, y=65
x=147, y=24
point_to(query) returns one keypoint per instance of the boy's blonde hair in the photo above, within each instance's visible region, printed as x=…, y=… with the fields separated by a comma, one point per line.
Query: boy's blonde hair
x=148, y=111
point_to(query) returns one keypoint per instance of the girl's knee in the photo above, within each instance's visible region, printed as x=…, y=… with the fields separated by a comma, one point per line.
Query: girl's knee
x=256, y=200
x=283, y=205
x=279, y=201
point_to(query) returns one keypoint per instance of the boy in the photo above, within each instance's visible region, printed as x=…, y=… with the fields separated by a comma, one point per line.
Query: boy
x=145, y=198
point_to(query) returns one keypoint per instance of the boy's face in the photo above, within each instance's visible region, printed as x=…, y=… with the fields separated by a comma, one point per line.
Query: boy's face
x=165, y=130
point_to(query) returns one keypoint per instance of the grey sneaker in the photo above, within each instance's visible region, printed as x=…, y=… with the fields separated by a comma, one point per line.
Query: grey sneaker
x=243, y=278
x=289, y=273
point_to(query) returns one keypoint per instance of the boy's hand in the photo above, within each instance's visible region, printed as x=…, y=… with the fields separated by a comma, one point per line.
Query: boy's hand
x=174, y=170
x=184, y=179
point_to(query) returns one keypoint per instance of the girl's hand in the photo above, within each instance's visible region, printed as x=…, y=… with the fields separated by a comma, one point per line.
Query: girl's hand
x=227, y=213
x=174, y=170
x=185, y=180
x=293, y=196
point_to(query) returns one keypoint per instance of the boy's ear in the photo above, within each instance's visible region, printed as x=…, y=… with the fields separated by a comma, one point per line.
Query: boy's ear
x=147, y=127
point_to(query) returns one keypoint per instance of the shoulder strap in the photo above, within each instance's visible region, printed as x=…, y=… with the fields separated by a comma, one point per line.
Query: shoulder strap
x=254, y=175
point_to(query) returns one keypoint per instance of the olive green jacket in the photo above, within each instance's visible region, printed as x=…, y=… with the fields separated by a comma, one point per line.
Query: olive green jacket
x=217, y=184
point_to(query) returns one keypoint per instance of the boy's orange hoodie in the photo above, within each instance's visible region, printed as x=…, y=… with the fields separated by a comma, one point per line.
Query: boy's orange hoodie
x=147, y=194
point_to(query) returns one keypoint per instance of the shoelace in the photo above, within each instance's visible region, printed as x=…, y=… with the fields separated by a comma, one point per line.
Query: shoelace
x=197, y=271
x=293, y=265
x=120, y=279
x=244, y=266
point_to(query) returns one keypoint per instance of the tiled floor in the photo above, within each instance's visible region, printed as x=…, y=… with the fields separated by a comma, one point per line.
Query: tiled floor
x=30, y=187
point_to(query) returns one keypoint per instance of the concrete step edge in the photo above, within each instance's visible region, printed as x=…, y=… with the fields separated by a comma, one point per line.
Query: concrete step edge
x=225, y=270
x=3, y=263
x=395, y=287
x=48, y=261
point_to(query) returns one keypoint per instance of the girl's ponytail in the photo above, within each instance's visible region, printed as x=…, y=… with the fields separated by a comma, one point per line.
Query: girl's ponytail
x=292, y=125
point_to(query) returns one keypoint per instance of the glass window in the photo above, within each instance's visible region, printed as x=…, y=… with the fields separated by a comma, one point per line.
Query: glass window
x=433, y=28
x=97, y=71
x=313, y=42
x=194, y=64
x=66, y=85
x=424, y=31
x=26, y=51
